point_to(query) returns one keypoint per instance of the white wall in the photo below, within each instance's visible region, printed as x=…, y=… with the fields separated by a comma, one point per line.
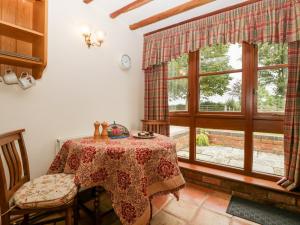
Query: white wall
x=79, y=85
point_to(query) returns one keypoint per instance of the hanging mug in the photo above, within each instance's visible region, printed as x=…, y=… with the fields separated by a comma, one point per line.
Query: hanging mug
x=26, y=80
x=10, y=77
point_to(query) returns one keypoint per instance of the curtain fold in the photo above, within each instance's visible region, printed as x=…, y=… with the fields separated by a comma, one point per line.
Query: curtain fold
x=156, y=97
x=271, y=21
x=292, y=121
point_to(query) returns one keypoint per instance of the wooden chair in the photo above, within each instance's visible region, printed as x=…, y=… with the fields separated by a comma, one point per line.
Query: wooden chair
x=17, y=192
x=156, y=126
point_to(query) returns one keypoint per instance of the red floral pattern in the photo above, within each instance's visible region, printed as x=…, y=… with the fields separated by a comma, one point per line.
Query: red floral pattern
x=132, y=170
x=99, y=176
x=123, y=180
x=143, y=155
x=89, y=154
x=56, y=163
x=166, y=145
x=165, y=168
x=115, y=152
x=73, y=162
x=128, y=212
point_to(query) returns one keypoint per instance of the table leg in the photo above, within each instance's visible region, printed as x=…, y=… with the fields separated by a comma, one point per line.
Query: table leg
x=97, y=206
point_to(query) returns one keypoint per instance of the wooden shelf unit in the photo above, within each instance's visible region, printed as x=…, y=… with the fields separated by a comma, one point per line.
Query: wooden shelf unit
x=15, y=61
x=23, y=30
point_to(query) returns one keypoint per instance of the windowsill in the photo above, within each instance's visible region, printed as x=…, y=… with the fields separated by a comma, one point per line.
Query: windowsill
x=236, y=177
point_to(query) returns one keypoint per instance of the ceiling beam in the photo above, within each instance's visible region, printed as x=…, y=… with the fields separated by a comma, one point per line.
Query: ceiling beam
x=129, y=7
x=87, y=1
x=169, y=13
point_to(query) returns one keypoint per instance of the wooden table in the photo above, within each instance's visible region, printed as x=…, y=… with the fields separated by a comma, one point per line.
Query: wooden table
x=131, y=170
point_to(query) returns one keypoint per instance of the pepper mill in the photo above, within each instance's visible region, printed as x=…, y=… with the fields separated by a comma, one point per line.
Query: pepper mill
x=97, y=133
x=104, y=134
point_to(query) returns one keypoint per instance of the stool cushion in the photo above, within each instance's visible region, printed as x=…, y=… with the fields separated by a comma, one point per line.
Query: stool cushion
x=47, y=191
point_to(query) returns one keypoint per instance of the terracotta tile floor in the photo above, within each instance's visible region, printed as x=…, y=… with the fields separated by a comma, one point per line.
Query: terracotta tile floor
x=197, y=206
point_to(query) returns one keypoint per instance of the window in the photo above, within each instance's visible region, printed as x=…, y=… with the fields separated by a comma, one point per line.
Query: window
x=271, y=78
x=181, y=135
x=233, y=99
x=178, y=84
x=220, y=81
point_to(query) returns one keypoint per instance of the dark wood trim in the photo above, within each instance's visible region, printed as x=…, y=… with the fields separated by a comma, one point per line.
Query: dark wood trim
x=221, y=72
x=177, y=78
x=236, y=170
x=133, y=5
x=248, y=64
x=204, y=16
x=179, y=114
x=266, y=183
x=272, y=67
x=193, y=99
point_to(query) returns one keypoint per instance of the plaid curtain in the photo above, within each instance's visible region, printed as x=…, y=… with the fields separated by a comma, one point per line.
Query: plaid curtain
x=156, y=97
x=292, y=121
x=263, y=21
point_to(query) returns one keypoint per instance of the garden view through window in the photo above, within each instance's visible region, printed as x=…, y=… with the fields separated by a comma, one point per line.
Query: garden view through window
x=272, y=82
x=178, y=84
x=222, y=91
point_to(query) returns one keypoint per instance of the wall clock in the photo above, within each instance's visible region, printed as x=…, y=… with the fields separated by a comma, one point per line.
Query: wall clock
x=125, y=62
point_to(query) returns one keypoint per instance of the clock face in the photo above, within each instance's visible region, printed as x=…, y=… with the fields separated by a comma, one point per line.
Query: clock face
x=125, y=62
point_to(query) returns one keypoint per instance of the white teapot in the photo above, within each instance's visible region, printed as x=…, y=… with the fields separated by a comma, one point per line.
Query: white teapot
x=26, y=80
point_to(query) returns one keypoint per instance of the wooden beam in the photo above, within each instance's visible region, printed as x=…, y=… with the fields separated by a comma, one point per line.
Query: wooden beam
x=129, y=7
x=169, y=13
x=87, y=1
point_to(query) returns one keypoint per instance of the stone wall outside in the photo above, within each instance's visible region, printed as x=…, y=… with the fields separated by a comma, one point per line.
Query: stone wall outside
x=262, y=142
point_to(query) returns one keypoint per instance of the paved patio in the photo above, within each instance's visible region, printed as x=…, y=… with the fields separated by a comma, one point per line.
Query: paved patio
x=262, y=161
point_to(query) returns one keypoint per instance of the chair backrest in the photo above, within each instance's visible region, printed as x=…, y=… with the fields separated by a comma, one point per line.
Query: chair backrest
x=14, y=167
x=157, y=126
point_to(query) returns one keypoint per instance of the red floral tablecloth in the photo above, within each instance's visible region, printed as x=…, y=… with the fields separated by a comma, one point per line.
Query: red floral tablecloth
x=131, y=170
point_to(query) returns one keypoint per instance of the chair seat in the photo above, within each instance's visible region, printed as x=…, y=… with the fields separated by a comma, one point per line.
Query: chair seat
x=47, y=191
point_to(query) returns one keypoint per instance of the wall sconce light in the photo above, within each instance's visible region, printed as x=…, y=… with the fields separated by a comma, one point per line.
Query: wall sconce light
x=92, y=38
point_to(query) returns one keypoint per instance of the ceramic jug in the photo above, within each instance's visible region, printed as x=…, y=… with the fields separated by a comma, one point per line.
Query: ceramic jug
x=10, y=77
x=26, y=80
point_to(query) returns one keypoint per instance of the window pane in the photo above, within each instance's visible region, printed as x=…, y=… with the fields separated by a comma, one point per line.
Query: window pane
x=181, y=135
x=272, y=90
x=218, y=58
x=220, y=93
x=179, y=67
x=272, y=54
x=268, y=155
x=178, y=91
x=225, y=147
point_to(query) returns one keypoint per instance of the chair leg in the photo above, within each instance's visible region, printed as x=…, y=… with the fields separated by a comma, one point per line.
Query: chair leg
x=75, y=211
x=68, y=219
x=25, y=220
